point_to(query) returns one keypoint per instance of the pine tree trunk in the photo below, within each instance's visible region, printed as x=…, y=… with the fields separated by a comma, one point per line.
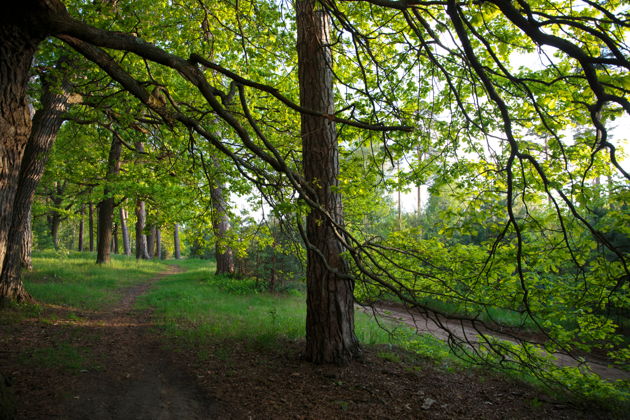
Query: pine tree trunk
x=125, y=231
x=106, y=206
x=178, y=253
x=330, y=334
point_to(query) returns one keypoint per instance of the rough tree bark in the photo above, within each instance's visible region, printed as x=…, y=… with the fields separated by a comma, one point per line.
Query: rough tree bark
x=46, y=124
x=16, y=54
x=221, y=227
x=178, y=253
x=125, y=232
x=106, y=206
x=330, y=334
x=27, y=243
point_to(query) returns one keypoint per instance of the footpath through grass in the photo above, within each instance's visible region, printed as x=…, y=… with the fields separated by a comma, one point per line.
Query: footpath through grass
x=73, y=279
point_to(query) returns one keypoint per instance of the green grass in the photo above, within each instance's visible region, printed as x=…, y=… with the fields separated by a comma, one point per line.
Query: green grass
x=61, y=356
x=198, y=306
x=73, y=279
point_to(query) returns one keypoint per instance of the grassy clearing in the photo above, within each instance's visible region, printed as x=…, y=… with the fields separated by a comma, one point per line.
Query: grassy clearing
x=73, y=279
x=198, y=307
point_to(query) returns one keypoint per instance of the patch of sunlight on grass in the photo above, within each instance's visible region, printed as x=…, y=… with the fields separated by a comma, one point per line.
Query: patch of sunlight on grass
x=197, y=306
x=74, y=279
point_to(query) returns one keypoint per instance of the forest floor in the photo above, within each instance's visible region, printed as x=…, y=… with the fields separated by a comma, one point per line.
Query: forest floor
x=116, y=364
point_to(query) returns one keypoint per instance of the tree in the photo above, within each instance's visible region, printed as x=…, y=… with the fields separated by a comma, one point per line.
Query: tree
x=107, y=204
x=46, y=123
x=330, y=317
x=390, y=77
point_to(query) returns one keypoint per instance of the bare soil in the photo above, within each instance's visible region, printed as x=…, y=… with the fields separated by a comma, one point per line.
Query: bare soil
x=132, y=371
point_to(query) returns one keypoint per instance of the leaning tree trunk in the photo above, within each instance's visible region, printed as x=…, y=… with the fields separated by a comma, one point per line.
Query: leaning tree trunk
x=330, y=334
x=124, y=229
x=178, y=253
x=106, y=206
x=46, y=124
x=221, y=227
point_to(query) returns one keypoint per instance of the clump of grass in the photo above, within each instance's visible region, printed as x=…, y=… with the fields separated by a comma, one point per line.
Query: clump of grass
x=73, y=279
x=61, y=356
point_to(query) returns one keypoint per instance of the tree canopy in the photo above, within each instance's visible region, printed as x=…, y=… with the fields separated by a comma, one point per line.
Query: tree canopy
x=504, y=108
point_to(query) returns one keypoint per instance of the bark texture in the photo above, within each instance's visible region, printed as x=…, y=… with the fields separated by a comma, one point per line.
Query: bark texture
x=21, y=30
x=221, y=226
x=46, y=124
x=27, y=243
x=330, y=334
x=106, y=206
x=16, y=54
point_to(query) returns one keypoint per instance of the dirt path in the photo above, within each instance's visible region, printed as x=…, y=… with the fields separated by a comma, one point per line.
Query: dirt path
x=126, y=375
x=423, y=324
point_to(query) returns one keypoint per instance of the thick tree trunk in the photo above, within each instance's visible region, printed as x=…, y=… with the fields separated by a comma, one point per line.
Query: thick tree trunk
x=141, y=239
x=106, y=206
x=221, y=227
x=151, y=242
x=20, y=34
x=46, y=124
x=81, y=228
x=330, y=334
x=125, y=231
x=178, y=253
